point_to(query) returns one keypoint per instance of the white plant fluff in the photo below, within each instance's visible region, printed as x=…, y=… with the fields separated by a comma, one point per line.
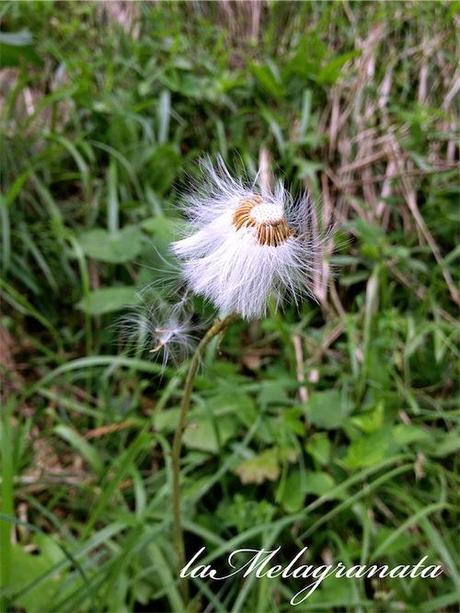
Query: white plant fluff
x=245, y=244
x=161, y=329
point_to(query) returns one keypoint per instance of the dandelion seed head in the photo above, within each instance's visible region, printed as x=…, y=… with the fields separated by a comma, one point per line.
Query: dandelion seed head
x=244, y=244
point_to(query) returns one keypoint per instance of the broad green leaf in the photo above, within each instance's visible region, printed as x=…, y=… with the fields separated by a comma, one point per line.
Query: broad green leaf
x=166, y=421
x=368, y=449
x=108, y=299
x=293, y=419
x=335, y=593
x=327, y=409
x=405, y=434
x=293, y=494
x=163, y=165
x=274, y=392
x=319, y=447
x=371, y=420
x=115, y=248
x=164, y=229
x=300, y=483
x=307, y=58
x=27, y=568
x=265, y=465
x=230, y=398
x=318, y=483
x=209, y=435
x=450, y=443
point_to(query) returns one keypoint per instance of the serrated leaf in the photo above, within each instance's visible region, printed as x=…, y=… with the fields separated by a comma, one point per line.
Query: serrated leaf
x=242, y=513
x=260, y=468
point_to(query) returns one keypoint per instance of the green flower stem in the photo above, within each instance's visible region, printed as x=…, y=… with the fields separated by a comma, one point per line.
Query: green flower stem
x=218, y=326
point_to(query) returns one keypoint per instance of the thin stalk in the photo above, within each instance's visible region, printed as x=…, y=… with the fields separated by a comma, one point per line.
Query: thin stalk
x=6, y=504
x=218, y=326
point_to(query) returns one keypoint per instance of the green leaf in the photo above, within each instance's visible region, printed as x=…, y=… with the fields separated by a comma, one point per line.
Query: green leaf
x=292, y=418
x=329, y=73
x=259, y=468
x=327, y=409
x=243, y=514
x=404, y=540
x=166, y=421
x=307, y=59
x=335, y=593
x=368, y=450
x=300, y=483
x=307, y=169
x=27, y=568
x=371, y=420
x=115, y=248
x=108, y=299
x=274, y=392
x=319, y=447
x=293, y=495
x=405, y=434
x=164, y=229
x=317, y=483
x=268, y=78
x=163, y=166
x=449, y=444
x=229, y=398
x=209, y=435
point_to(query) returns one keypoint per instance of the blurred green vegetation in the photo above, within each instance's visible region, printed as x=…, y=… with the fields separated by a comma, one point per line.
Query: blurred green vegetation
x=334, y=427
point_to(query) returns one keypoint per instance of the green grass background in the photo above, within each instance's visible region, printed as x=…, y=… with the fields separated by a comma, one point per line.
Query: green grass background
x=105, y=108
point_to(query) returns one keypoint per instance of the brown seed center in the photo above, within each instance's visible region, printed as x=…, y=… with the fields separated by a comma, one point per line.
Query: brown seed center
x=271, y=227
